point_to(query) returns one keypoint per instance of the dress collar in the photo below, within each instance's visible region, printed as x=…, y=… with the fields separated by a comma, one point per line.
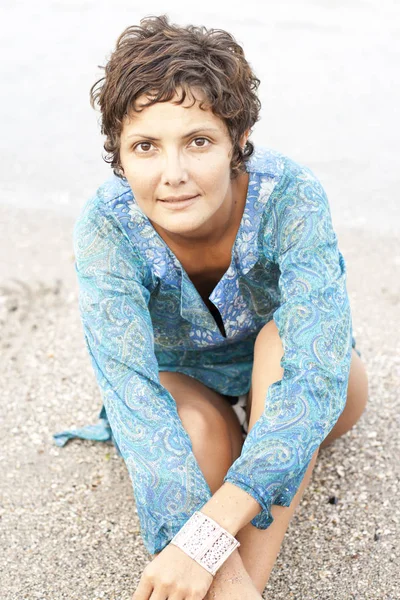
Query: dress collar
x=264, y=171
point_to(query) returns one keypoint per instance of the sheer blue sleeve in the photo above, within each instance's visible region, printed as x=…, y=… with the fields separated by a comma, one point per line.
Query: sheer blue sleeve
x=315, y=327
x=114, y=286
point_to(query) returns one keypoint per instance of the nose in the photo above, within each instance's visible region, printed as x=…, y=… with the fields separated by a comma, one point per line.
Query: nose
x=174, y=170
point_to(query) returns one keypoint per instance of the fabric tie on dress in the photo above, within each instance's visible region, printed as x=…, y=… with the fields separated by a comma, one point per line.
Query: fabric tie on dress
x=100, y=432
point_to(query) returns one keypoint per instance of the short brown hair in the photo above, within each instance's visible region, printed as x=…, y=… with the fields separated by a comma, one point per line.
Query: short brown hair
x=158, y=57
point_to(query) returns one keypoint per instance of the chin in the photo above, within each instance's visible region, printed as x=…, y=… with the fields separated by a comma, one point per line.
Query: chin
x=181, y=228
x=181, y=223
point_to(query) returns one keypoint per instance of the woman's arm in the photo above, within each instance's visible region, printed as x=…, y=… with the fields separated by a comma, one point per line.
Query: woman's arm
x=314, y=324
x=114, y=286
x=231, y=507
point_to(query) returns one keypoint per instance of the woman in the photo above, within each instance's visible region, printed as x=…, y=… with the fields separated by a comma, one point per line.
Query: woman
x=214, y=305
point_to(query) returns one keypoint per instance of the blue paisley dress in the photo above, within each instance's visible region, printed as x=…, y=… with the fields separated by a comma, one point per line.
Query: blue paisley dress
x=141, y=314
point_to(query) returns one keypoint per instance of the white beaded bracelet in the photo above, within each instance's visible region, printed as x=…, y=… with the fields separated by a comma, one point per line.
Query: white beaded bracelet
x=205, y=541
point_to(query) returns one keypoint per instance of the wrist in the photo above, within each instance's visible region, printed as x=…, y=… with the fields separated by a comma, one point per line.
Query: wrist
x=231, y=507
x=204, y=540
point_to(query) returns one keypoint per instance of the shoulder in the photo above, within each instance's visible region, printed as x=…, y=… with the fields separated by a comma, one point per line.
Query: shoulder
x=271, y=164
x=99, y=204
x=295, y=202
x=112, y=224
x=286, y=185
x=105, y=199
x=108, y=219
x=112, y=207
x=266, y=161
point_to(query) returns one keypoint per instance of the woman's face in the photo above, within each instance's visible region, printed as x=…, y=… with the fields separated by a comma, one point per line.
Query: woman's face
x=170, y=152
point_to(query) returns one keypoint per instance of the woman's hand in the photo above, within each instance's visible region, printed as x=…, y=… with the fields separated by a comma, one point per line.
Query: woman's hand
x=173, y=575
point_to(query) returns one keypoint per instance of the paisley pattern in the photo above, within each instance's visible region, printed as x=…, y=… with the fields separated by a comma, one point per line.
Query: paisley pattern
x=141, y=314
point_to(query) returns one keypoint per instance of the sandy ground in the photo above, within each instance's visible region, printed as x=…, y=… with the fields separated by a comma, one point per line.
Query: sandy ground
x=69, y=526
x=68, y=522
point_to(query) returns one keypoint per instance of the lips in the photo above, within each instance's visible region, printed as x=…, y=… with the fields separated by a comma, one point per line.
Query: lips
x=177, y=198
x=179, y=202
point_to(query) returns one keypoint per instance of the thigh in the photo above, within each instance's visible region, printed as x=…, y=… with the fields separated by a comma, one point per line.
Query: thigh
x=268, y=352
x=190, y=393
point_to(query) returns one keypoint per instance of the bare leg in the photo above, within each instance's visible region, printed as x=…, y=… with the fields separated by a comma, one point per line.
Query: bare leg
x=232, y=582
x=259, y=548
x=214, y=430
x=266, y=542
x=246, y=572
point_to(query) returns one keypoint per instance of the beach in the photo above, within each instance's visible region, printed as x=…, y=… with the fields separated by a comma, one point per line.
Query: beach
x=69, y=525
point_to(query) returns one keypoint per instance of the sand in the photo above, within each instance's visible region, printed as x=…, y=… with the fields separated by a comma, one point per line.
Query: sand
x=69, y=525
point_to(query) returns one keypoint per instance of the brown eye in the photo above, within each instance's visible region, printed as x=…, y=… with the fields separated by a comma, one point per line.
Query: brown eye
x=203, y=142
x=144, y=146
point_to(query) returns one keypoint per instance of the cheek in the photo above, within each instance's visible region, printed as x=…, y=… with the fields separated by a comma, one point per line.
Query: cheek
x=143, y=184
x=216, y=178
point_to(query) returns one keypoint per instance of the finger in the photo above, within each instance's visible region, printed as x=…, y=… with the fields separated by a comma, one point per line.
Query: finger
x=159, y=595
x=174, y=597
x=144, y=590
x=184, y=596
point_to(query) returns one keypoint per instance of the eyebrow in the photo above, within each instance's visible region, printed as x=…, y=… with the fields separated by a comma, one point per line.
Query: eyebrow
x=154, y=139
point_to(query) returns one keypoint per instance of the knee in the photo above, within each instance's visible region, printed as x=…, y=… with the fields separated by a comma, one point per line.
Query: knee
x=207, y=430
x=196, y=419
x=268, y=338
x=269, y=331
x=358, y=388
x=211, y=443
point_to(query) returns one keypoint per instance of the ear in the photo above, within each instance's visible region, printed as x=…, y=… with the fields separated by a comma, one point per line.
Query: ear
x=244, y=138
